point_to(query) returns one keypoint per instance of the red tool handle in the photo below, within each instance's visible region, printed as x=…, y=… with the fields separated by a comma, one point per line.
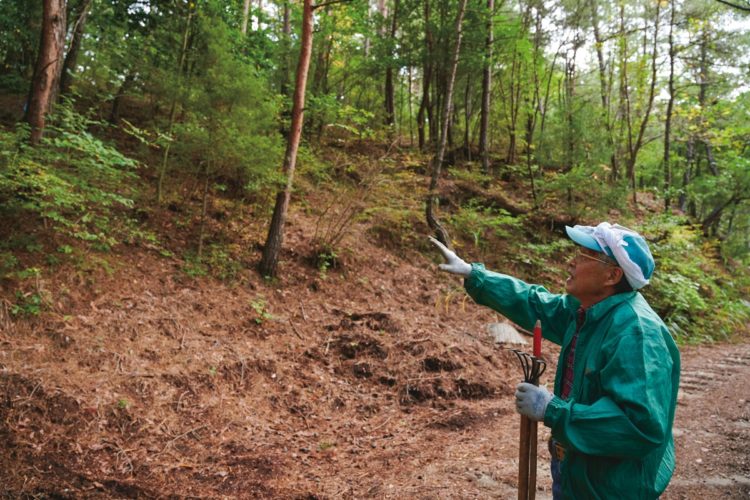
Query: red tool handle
x=538, y=339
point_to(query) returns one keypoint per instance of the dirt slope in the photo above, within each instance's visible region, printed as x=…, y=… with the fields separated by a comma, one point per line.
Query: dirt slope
x=375, y=381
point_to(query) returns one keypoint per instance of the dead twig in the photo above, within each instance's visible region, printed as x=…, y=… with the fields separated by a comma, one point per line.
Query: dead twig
x=381, y=424
x=294, y=328
x=172, y=441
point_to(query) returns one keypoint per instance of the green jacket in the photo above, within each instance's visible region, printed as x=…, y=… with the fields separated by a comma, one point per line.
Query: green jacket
x=617, y=422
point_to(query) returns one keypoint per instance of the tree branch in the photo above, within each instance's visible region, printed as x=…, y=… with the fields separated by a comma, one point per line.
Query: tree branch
x=331, y=2
x=744, y=8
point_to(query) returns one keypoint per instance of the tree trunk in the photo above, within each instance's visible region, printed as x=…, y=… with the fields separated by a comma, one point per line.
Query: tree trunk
x=44, y=84
x=486, y=85
x=204, y=210
x=514, y=103
x=409, y=105
x=69, y=66
x=467, y=118
x=437, y=162
x=272, y=248
x=425, y=105
x=604, y=87
x=390, y=97
x=173, y=108
x=114, y=116
x=687, y=175
x=535, y=107
x=245, y=16
x=711, y=222
x=286, y=32
x=670, y=107
x=638, y=144
x=702, y=93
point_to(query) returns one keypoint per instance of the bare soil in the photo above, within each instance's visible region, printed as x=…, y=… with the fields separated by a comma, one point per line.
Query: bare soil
x=375, y=380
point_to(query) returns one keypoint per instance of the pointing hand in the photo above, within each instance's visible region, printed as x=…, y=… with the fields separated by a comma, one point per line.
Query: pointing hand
x=454, y=264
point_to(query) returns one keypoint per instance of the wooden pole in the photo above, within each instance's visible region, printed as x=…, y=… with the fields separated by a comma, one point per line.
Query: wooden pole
x=523, y=459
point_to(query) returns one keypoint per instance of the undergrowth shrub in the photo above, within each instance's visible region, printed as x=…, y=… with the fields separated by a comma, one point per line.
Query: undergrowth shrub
x=73, y=184
x=344, y=206
x=695, y=295
x=481, y=224
x=218, y=260
x=72, y=181
x=582, y=191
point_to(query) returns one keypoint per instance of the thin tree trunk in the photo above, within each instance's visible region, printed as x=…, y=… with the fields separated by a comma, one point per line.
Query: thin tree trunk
x=604, y=87
x=668, y=118
x=624, y=103
x=437, y=162
x=486, y=90
x=702, y=93
x=44, y=84
x=390, y=108
x=173, y=108
x=286, y=32
x=687, y=175
x=535, y=108
x=514, y=104
x=204, y=210
x=411, y=111
x=711, y=221
x=636, y=147
x=274, y=241
x=245, y=16
x=467, y=118
x=424, y=105
x=69, y=66
x=114, y=115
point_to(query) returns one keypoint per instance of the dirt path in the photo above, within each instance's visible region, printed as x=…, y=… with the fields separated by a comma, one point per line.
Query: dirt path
x=712, y=427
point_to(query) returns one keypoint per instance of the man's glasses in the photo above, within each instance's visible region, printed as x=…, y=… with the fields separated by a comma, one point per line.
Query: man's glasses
x=581, y=254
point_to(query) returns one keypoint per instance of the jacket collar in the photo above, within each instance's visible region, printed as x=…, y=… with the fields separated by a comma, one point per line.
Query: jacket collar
x=598, y=310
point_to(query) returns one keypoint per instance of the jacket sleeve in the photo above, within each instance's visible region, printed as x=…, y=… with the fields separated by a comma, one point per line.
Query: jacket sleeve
x=631, y=419
x=520, y=302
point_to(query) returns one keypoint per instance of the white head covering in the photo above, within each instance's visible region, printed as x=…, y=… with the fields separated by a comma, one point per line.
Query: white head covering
x=624, y=245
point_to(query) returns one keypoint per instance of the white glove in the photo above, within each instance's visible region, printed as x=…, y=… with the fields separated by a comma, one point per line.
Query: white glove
x=532, y=401
x=454, y=263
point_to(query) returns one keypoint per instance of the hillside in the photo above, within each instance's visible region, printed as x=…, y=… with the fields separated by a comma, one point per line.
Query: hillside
x=369, y=374
x=144, y=381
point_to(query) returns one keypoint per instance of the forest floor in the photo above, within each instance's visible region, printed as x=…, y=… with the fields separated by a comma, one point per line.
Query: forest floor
x=375, y=380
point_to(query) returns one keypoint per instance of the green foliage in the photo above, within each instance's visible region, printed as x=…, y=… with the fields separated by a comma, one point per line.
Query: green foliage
x=690, y=290
x=260, y=309
x=27, y=304
x=583, y=191
x=326, y=259
x=72, y=180
x=393, y=227
x=230, y=127
x=217, y=261
x=473, y=175
x=482, y=224
x=30, y=296
x=539, y=255
x=20, y=21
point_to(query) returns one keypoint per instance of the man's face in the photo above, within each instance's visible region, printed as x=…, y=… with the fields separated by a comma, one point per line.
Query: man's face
x=589, y=272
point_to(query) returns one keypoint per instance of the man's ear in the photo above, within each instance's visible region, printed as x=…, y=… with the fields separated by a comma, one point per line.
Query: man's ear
x=614, y=276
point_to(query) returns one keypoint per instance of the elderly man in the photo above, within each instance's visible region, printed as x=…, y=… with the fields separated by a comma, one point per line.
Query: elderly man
x=616, y=384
